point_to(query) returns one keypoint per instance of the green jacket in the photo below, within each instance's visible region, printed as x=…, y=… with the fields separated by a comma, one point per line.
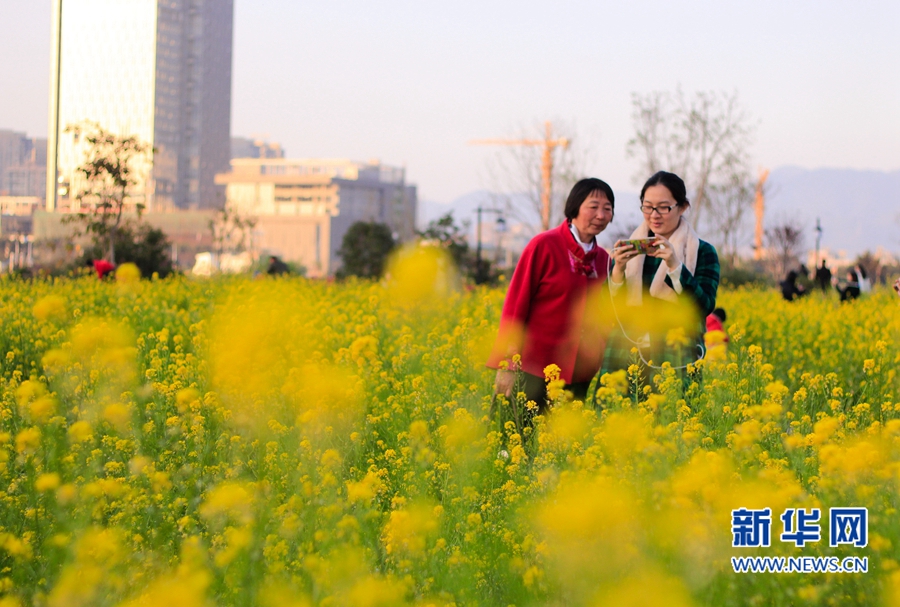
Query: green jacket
x=699, y=288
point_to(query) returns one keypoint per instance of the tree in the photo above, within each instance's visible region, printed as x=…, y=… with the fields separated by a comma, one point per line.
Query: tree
x=445, y=232
x=704, y=140
x=108, y=175
x=365, y=249
x=141, y=244
x=787, y=240
x=729, y=203
x=231, y=233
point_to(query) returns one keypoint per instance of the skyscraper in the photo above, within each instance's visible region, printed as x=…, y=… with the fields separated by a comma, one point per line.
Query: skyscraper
x=23, y=165
x=156, y=69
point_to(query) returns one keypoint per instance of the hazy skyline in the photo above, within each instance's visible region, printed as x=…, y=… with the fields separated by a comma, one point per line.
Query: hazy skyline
x=410, y=83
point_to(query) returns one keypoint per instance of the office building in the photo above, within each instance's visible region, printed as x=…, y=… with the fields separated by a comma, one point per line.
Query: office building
x=23, y=165
x=156, y=69
x=303, y=208
x=11, y=154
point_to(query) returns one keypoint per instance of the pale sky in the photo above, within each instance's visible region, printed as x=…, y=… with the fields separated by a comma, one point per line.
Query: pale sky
x=412, y=82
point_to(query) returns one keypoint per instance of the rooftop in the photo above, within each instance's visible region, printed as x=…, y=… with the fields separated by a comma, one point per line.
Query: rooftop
x=331, y=168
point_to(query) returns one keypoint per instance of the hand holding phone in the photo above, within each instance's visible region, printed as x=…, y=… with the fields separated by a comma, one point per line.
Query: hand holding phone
x=642, y=245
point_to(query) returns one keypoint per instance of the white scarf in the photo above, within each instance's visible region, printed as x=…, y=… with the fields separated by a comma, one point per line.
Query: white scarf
x=686, y=244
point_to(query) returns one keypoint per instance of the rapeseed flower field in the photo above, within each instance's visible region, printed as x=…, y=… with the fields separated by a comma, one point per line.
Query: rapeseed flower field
x=290, y=442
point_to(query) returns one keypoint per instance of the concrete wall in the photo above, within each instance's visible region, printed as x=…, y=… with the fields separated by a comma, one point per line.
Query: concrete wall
x=306, y=240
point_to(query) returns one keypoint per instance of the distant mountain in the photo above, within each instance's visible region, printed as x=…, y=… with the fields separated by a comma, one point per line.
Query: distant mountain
x=858, y=210
x=463, y=208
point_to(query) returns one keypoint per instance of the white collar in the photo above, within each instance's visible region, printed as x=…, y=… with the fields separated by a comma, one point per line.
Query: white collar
x=587, y=246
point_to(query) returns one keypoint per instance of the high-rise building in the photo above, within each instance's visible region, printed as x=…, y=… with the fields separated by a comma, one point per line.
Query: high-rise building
x=13, y=151
x=156, y=69
x=23, y=165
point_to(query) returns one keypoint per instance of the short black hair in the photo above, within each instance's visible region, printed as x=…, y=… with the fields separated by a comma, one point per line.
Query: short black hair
x=720, y=313
x=583, y=189
x=673, y=183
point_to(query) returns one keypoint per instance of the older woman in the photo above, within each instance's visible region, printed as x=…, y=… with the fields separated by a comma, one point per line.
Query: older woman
x=545, y=318
x=670, y=282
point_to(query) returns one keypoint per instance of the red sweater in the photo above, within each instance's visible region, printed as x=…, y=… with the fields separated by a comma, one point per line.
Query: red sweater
x=714, y=324
x=103, y=267
x=547, y=298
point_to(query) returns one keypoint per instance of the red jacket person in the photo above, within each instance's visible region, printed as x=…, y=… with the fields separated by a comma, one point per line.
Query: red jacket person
x=550, y=315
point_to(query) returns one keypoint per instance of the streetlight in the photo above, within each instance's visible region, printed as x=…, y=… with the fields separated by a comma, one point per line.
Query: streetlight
x=500, y=227
x=818, y=239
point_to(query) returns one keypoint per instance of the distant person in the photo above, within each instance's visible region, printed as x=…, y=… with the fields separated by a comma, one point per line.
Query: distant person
x=715, y=321
x=897, y=287
x=715, y=338
x=850, y=290
x=862, y=278
x=790, y=290
x=277, y=267
x=102, y=267
x=823, y=277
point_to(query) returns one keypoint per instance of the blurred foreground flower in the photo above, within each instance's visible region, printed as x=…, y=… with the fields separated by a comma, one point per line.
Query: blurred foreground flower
x=420, y=275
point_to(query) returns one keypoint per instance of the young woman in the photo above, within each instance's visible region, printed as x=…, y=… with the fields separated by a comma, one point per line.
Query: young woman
x=545, y=318
x=670, y=283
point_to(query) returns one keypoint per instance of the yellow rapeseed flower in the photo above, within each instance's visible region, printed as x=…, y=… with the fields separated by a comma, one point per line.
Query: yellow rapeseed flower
x=47, y=482
x=420, y=276
x=409, y=529
x=28, y=440
x=80, y=432
x=118, y=415
x=365, y=489
x=50, y=307
x=128, y=273
x=230, y=500
x=40, y=410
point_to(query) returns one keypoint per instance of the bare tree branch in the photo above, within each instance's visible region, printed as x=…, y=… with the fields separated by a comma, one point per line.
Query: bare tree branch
x=787, y=240
x=704, y=140
x=730, y=203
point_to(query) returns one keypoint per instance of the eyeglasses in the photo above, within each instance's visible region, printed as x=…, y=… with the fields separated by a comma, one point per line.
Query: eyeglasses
x=646, y=209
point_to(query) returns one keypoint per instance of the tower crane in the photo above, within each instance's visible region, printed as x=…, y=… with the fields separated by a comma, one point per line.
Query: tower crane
x=549, y=143
x=760, y=211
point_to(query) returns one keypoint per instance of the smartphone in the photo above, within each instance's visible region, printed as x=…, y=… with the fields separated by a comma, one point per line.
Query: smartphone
x=641, y=244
